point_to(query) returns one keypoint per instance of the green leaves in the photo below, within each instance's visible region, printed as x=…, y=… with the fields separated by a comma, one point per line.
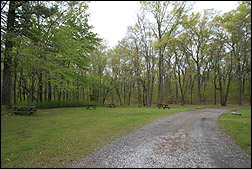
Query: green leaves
x=52, y=41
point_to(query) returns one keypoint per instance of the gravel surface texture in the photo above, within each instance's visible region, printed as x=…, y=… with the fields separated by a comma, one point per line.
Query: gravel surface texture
x=185, y=140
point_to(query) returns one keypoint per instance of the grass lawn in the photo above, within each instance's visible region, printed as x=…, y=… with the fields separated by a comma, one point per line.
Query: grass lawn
x=238, y=127
x=56, y=137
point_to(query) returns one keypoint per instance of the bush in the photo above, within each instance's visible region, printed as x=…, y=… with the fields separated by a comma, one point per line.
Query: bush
x=3, y=108
x=5, y=111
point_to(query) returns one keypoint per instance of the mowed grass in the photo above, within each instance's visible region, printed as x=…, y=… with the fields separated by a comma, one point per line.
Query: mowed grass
x=56, y=137
x=238, y=127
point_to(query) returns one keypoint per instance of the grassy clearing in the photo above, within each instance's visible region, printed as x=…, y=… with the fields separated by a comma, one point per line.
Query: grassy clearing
x=56, y=137
x=238, y=127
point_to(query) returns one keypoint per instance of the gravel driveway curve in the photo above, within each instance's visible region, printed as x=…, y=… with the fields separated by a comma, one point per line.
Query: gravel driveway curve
x=187, y=139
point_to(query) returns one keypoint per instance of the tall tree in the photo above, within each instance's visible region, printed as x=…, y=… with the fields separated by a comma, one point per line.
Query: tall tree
x=167, y=17
x=9, y=43
x=197, y=36
x=238, y=25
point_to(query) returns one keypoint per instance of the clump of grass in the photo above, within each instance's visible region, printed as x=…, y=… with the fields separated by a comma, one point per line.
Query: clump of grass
x=238, y=127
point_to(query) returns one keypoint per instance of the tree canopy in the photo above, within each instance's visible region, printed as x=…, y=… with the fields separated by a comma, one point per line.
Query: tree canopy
x=171, y=54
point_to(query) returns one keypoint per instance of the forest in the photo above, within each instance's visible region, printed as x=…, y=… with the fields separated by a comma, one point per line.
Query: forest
x=50, y=56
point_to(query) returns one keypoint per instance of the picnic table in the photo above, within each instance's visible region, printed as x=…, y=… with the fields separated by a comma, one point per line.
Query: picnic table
x=88, y=106
x=24, y=109
x=163, y=106
x=111, y=105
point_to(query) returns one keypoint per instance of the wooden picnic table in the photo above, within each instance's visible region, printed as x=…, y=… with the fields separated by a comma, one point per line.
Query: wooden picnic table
x=88, y=106
x=111, y=105
x=163, y=106
x=24, y=109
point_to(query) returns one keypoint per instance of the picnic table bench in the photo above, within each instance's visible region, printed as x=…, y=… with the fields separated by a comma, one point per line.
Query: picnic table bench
x=24, y=109
x=199, y=107
x=163, y=106
x=88, y=106
x=111, y=105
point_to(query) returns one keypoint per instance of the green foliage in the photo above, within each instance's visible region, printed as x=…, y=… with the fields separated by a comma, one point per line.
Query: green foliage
x=186, y=54
x=24, y=103
x=3, y=107
x=5, y=111
x=52, y=44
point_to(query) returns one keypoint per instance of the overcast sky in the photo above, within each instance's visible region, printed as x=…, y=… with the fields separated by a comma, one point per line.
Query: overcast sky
x=111, y=18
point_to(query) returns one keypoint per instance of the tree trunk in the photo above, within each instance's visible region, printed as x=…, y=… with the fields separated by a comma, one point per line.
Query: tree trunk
x=40, y=87
x=49, y=90
x=77, y=92
x=15, y=82
x=144, y=95
x=160, y=79
x=139, y=98
x=83, y=93
x=192, y=85
x=250, y=91
x=23, y=88
x=240, y=89
x=118, y=93
x=124, y=93
x=129, y=95
x=176, y=91
x=239, y=73
x=181, y=91
x=226, y=95
x=199, y=85
x=30, y=97
x=148, y=86
x=215, y=100
x=45, y=91
x=67, y=93
x=7, y=76
x=105, y=94
x=20, y=90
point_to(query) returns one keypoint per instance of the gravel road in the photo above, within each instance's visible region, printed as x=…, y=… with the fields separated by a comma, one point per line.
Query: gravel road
x=187, y=139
